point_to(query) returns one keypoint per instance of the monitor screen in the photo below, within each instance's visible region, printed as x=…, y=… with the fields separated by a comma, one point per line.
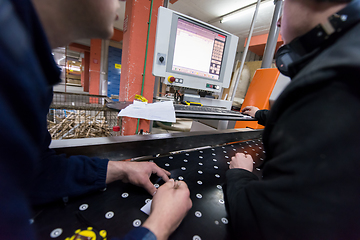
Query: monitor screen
x=192, y=54
x=206, y=45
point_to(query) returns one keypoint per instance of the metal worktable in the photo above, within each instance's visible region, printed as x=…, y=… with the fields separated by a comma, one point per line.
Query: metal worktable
x=200, y=159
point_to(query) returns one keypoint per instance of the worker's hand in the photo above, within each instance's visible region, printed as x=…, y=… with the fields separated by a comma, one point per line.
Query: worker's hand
x=240, y=160
x=250, y=110
x=137, y=173
x=169, y=206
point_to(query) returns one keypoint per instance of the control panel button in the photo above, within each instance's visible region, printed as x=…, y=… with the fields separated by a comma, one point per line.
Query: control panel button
x=171, y=79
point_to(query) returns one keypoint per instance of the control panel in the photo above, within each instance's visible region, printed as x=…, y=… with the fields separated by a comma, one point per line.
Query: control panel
x=172, y=79
x=212, y=86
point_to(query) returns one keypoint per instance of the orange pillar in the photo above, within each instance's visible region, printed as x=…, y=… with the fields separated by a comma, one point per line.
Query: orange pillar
x=133, y=57
x=85, y=73
x=95, y=63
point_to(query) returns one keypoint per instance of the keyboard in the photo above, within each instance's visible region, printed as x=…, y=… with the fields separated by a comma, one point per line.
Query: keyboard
x=205, y=110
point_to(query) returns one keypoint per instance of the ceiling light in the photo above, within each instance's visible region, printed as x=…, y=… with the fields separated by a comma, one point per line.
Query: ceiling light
x=240, y=12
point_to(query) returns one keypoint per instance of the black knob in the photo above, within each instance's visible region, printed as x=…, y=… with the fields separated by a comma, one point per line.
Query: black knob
x=161, y=59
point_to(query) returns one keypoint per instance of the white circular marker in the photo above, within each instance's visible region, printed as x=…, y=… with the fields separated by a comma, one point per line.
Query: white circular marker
x=213, y=149
x=221, y=201
x=183, y=168
x=136, y=223
x=83, y=207
x=124, y=195
x=180, y=178
x=56, y=233
x=200, y=172
x=199, y=195
x=224, y=220
x=171, y=157
x=228, y=163
x=199, y=182
x=185, y=160
x=234, y=149
x=109, y=215
x=166, y=164
x=217, y=222
x=214, y=159
x=213, y=154
x=198, y=214
x=216, y=167
x=223, y=147
x=156, y=185
x=224, y=151
x=201, y=152
x=226, y=156
x=219, y=187
x=147, y=200
x=187, y=154
x=249, y=145
x=196, y=237
x=201, y=157
x=217, y=175
x=200, y=163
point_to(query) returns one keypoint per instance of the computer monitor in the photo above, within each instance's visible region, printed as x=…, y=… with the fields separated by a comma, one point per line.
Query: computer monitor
x=192, y=54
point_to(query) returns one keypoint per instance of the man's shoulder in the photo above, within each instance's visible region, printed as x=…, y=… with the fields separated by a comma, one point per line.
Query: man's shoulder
x=344, y=52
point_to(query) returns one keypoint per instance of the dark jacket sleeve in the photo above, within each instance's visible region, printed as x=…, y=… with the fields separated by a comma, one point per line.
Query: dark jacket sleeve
x=59, y=176
x=261, y=116
x=140, y=233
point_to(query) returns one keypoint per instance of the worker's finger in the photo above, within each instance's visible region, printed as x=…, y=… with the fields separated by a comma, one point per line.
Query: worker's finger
x=149, y=187
x=182, y=184
x=169, y=184
x=161, y=173
x=167, y=172
x=240, y=154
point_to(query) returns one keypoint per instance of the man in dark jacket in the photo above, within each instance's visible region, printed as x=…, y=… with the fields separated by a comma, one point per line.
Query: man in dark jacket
x=30, y=172
x=310, y=185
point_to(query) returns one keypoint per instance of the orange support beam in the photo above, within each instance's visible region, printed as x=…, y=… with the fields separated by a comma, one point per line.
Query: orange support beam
x=85, y=71
x=79, y=47
x=258, y=94
x=258, y=43
x=118, y=35
x=133, y=58
x=95, y=63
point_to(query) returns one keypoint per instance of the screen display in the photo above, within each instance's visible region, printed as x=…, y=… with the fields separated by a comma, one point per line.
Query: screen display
x=198, y=50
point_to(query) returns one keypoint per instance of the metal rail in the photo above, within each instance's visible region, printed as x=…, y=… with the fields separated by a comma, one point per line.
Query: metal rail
x=126, y=147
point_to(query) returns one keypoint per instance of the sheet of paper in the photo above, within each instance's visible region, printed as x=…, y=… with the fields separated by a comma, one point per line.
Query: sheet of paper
x=147, y=207
x=159, y=111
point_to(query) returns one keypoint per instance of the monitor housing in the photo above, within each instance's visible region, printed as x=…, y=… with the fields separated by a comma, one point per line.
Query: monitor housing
x=192, y=54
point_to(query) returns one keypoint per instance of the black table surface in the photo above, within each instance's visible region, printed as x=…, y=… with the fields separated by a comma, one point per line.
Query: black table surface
x=117, y=209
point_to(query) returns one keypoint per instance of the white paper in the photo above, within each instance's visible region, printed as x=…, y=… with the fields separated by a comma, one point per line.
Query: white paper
x=159, y=111
x=147, y=207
